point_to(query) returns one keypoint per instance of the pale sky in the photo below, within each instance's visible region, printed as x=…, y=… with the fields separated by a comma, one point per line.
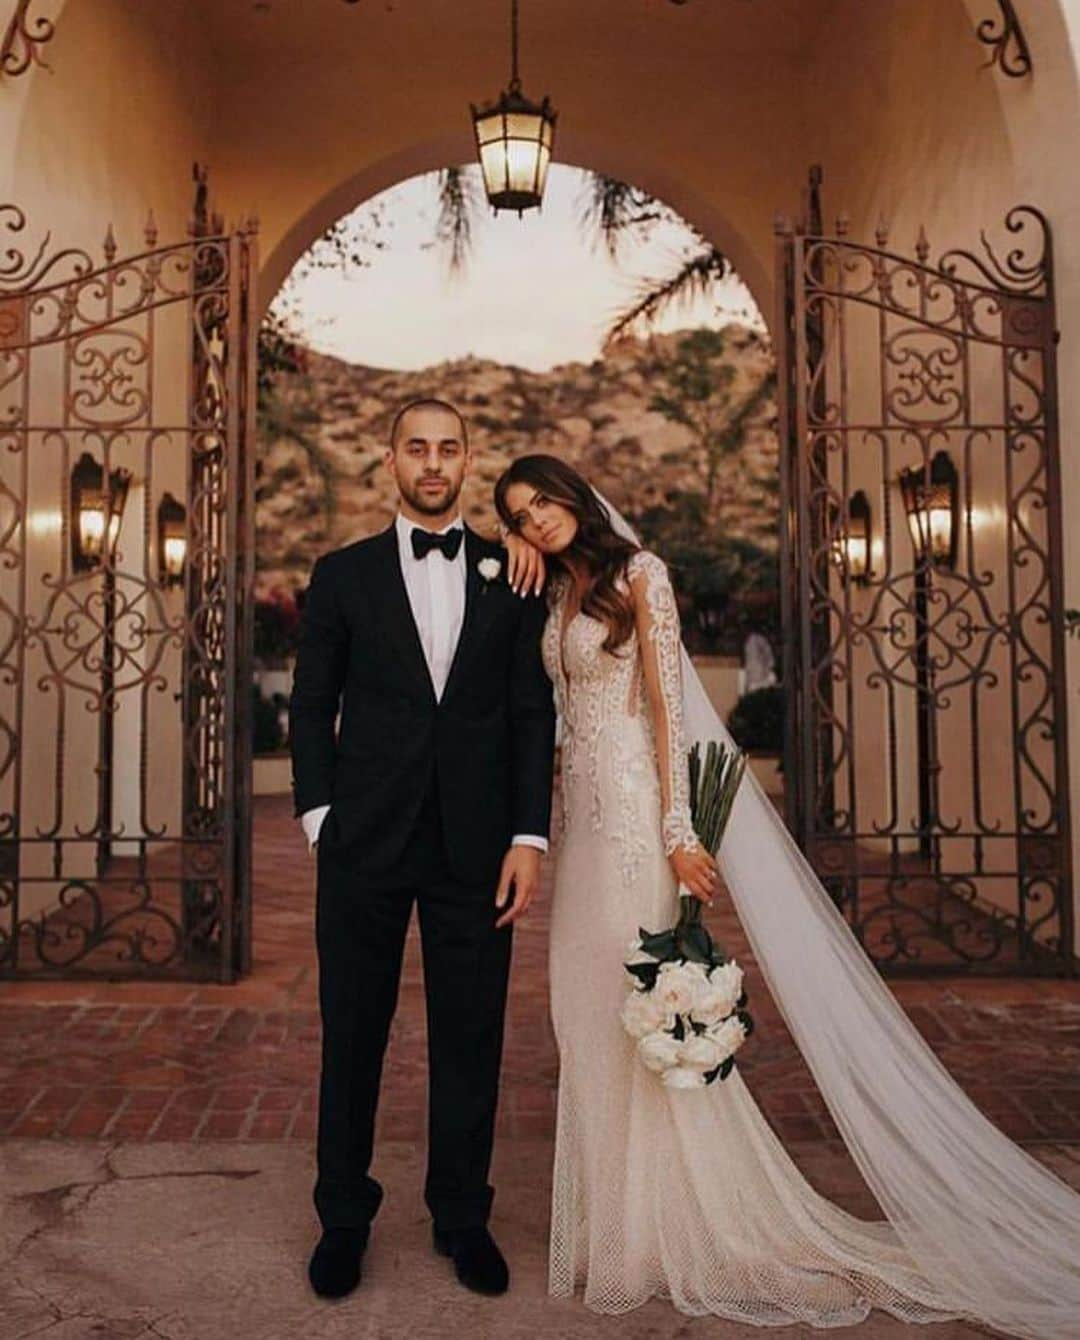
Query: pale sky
x=534, y=293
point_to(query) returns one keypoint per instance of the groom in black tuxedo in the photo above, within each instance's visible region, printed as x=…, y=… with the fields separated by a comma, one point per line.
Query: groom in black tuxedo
x=435, y=790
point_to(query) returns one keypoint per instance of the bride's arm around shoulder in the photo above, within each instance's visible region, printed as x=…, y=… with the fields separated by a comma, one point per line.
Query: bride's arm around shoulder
x=656, y=617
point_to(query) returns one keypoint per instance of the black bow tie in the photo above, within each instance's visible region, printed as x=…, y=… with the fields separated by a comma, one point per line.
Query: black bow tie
x=423, y=541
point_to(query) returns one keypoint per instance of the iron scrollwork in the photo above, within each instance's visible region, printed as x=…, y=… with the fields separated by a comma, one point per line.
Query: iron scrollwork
x=1005, y=38
x=118, y=816
x=927, y=765
x=23, y=39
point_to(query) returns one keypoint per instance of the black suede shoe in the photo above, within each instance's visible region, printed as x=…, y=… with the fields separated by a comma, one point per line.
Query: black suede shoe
x=334, y=1268
x=479, y=1264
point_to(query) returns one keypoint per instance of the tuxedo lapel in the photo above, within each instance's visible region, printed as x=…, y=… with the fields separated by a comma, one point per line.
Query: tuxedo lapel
x=392, y=601
x=478, y=607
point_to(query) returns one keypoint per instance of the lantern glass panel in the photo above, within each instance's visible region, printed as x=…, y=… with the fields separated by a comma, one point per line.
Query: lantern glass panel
x=175, y=546
x=857, y=555
x=941, y=526
x=91, y=529
x=494, y=166
x=489, y=128
x=521, y=158
x=523, y=125
x=544, y=158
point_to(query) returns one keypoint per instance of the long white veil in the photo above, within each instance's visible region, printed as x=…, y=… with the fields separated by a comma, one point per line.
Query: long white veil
x=989, y=1226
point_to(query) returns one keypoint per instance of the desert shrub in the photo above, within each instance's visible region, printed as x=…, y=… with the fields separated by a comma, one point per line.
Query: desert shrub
x=267, y=735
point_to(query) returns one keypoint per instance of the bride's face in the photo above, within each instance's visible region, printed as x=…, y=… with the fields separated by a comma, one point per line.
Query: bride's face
x=546, y=524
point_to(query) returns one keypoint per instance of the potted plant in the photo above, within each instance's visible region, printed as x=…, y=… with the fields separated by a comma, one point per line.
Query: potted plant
x=757, y=724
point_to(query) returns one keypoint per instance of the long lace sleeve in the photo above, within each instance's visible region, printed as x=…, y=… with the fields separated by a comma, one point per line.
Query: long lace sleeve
x=657, y=618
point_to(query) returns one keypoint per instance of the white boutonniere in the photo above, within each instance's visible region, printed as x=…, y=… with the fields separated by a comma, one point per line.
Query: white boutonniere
x=489, y=569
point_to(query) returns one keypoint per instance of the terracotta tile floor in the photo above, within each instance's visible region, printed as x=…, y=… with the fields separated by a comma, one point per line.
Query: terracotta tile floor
x=172, y=1061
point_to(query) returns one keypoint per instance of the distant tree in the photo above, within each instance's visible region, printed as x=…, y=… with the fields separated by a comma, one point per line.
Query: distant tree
x=279, y=350
x=696, y=391
x=726, y=586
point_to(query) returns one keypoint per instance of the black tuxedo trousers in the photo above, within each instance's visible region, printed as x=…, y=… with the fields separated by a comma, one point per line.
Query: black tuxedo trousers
x=360, y=927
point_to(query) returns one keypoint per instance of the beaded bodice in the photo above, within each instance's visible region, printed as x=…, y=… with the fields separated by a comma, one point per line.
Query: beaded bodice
x=622, y=713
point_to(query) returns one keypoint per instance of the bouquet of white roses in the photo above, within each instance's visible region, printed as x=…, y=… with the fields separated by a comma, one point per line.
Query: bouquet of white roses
x=687, y=1009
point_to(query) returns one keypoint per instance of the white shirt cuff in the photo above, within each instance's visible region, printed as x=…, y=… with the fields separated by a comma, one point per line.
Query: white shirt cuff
x=311, y=821
x=529, y=840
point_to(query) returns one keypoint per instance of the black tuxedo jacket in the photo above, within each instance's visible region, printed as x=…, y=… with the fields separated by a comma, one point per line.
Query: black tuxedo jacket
x=487, y=743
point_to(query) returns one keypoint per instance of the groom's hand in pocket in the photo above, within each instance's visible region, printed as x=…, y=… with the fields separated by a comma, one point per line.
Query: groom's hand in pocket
x=520, y=877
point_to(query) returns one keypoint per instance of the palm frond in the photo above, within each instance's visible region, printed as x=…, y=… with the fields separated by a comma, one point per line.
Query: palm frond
x=610, y=208
x=694, y=277
x=458, y=202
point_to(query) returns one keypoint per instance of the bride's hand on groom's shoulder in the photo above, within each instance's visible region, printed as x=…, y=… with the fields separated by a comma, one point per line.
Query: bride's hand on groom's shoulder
x=520, y=876
x=525, y=567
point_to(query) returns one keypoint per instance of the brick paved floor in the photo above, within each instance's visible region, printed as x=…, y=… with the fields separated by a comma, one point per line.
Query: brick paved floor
x=170, y=1061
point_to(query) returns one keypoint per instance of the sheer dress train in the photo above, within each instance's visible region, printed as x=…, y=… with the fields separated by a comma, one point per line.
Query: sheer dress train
x=687, y=1195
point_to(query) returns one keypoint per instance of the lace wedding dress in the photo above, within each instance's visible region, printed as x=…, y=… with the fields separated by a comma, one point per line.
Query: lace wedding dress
x=690, y=1195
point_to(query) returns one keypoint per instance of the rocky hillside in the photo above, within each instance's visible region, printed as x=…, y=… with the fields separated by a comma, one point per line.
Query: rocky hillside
x=321, y=481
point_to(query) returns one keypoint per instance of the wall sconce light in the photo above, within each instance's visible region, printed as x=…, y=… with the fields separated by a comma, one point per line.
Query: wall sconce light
x=851, y=539
x=931, y=501
x=92, y=533
x=514, y=138
x=858, y=537
x=172, y=540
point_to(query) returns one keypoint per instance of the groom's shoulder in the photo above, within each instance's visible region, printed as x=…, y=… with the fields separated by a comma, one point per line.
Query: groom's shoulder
x=346, y=555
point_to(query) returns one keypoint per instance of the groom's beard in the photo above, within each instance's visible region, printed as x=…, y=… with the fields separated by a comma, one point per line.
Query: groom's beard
x=430, y=502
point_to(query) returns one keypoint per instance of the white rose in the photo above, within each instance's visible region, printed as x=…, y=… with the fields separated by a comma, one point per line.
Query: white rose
x=678, y=1077
x=489, y=568
x=728, y=1037
x=730, y=976
x=642, y=1014
x=699, y=1052
x=659, y=1051
x=677, y=984
x=716, y=997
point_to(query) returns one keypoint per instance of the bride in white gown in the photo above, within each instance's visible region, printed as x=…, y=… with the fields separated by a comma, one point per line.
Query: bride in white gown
x=690, y=1195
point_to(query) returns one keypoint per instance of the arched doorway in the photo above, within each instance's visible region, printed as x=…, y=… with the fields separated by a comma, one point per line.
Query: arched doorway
x=701, y=488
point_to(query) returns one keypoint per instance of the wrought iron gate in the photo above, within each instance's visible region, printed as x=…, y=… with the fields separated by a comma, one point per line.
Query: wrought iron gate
x=926, y=766
x=126, y=553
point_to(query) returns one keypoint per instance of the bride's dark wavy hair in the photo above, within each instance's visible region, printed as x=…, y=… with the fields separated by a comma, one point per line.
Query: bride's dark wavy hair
x=602, y=550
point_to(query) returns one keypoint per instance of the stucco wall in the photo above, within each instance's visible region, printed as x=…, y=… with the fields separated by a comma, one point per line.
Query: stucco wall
x=303, y=111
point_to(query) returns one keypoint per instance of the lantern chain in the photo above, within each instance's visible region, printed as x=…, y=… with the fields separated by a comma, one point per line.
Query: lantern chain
x=515, y=80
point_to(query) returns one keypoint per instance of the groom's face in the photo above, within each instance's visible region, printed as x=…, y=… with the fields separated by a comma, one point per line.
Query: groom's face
x=429, y=460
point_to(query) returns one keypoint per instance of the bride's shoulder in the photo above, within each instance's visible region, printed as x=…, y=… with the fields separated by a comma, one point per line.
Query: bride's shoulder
x=644, y=563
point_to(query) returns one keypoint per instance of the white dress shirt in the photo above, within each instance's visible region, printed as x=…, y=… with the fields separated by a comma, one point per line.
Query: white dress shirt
x=436, y=589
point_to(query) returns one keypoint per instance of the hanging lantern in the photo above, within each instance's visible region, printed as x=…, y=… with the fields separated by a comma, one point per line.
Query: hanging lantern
x=514, y=138
x=95, y=517
x=931, y=501
x=172, y=540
